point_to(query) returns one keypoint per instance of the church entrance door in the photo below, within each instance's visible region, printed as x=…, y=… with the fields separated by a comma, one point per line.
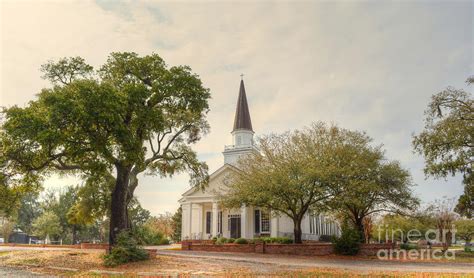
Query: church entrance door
x=234, y=224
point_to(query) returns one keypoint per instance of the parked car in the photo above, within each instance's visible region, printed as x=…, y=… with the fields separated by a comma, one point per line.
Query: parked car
x=1, y=240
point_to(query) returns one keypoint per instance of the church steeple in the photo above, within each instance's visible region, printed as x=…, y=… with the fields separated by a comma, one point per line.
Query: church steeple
x=242, y=115
x=242, y=133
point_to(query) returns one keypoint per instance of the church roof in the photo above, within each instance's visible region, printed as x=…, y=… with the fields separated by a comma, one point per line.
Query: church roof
x=242, y=114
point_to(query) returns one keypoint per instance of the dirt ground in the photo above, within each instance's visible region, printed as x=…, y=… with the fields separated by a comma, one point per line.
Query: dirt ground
x=87, y=263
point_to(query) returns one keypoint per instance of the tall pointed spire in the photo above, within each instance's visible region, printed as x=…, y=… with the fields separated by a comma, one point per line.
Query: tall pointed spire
x=242, y=114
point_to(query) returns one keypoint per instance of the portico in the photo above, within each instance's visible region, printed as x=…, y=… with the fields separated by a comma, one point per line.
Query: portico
x=204, y=219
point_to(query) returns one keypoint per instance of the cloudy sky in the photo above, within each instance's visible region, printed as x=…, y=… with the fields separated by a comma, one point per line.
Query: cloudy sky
x=368, y=66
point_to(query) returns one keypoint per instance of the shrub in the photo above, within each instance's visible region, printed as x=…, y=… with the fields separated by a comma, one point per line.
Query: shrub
x=126, y=250
x=164, y=241
x=230, y=240
x=408, y=246
x=281, y=240
x=146, y=236
x=214, y=239
x=241, y=241
x=348, y=243
x=221, y=240
x=284, y=240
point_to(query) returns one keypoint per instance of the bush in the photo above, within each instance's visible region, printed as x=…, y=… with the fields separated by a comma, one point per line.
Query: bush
x=230, y=240
x=126, y=250
x=221, y=240
x=281, y=240
x=164, y=241
x=214, y=239
x=146, y=236
x=408, y=246
x=348, y=243
x=241, y=241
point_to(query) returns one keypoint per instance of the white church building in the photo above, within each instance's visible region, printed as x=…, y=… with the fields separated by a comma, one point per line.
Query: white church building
x=203, y=218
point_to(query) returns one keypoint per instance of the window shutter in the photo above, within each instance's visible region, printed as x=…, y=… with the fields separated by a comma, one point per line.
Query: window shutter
x=208, y=222
x=257, y=221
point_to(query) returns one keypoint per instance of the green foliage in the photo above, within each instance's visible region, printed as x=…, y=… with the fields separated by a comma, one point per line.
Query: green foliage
x=465, y=206
x=446, y=141
x=125, y=250
x=400, y=225
x=281, y=240
x=137, y=214
x=318, y=167
x=133, y=115
x=147, y=236
x=6, y=228
x=464, y=229
x=28, y=211
x=241, y=241
x=230, y=240
x=408, y=246
x=221, y=240
x=348, y=243
x=46, y=224
x=176, y=225
x=164, y=241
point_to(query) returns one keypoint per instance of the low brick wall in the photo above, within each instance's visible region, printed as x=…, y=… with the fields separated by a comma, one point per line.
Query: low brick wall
x=229, y=247
x=95, y=246
x=371, y=249
x=40, y=245
x=77, y=246
x=300, y=249
x=305, y=249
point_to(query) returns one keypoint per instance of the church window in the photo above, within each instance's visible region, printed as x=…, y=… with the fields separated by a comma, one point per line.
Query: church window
x=208, y=221
x=262, y=222
x=257, y=221
x=219, y=222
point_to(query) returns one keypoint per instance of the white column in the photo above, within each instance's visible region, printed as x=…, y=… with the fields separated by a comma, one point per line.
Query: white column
x=273, y=226
x=190, y=222
x=215, y=214
x=243, y=222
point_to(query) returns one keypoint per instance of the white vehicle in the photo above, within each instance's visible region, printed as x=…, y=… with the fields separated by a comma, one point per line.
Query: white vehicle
x=1, y=240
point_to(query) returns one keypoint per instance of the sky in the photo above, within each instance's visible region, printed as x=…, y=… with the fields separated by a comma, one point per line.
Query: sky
x=364, y=65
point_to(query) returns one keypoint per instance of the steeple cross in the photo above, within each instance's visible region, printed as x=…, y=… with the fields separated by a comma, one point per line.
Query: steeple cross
x=241, y=76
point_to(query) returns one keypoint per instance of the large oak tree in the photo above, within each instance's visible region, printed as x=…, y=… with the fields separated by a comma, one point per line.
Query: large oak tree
x=132, y=115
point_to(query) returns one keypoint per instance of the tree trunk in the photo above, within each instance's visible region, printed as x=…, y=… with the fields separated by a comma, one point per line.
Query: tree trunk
x=74, y=235
x=297, y=230
x=118, y=210
x=359, y=225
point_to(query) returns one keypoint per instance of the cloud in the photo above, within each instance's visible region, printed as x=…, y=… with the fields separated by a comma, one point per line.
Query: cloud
x=366, y=66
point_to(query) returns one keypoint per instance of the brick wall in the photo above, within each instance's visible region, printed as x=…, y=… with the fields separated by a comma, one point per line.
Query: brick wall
x=94, y=246
x=299, y=249
x=306, y=249
x=230, y=247
x=77, y=246
x=372, y=249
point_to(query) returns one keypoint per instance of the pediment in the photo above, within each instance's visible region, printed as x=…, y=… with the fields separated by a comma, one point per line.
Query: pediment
x=217, y=183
